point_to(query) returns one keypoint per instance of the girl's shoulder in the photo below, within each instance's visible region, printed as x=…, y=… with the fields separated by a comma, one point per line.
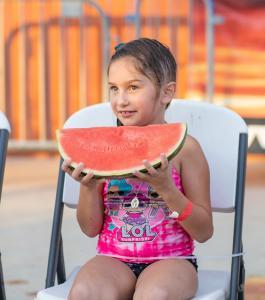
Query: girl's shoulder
x=190, y=151
x=190, y=146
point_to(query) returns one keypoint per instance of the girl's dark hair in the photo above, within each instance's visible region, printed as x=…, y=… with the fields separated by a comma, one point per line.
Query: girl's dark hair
x=152, y=59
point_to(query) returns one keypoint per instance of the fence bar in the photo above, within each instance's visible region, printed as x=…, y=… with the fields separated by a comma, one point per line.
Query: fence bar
x=22, y=72
x=62, y=72
x=191, y=43
x=105, y=48
x=31, y=145
x=42, y=76
x=83, y=63
x=209, y=4
x=137, y=18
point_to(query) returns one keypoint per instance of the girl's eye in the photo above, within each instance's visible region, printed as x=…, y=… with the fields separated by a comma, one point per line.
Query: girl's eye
x=113, y=88
x=133, y=87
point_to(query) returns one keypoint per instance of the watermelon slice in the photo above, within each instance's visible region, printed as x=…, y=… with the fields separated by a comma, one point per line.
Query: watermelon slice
x=118, y=151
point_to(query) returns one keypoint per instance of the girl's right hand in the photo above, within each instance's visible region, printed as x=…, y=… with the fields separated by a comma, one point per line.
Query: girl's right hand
x=76, y=173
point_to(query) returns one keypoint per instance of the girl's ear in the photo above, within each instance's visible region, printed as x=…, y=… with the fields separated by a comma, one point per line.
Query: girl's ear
x=169, y=90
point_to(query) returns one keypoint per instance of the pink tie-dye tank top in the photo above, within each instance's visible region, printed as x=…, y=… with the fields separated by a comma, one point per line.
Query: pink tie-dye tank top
x=143, y=233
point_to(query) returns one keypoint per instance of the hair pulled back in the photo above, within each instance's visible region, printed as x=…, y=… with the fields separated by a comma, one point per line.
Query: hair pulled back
x=152, y=59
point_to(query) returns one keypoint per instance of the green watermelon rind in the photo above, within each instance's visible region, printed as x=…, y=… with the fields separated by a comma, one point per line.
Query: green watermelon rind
x=129, y=172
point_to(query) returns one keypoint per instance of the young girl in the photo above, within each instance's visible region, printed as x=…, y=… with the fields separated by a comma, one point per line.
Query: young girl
x=146, y=224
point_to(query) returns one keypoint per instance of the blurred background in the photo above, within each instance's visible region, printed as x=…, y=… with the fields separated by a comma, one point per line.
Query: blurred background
x=53, y=60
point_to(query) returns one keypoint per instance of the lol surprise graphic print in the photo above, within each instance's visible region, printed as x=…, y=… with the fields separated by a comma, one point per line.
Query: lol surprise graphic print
x=137, y=224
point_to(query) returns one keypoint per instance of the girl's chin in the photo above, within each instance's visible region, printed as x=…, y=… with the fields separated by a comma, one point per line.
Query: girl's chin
x=129, y=122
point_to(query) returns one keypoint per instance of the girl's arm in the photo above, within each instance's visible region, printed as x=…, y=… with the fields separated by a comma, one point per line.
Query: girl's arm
x=196, y=183
x=90, y=209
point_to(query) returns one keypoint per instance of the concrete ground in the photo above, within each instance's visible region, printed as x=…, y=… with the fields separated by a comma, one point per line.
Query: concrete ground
x=26, y=216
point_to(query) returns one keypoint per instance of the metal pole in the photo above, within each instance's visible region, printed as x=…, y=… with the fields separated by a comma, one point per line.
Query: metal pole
x=105, y=43
x=211, y=21
x=191, y=43
x=42, y=75
x=22, y=72
x=137, y=19
x=62, y=73
x=82, y=64
x=210, y=49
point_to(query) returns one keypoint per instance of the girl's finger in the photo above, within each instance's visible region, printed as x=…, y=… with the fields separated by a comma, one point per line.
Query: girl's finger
x=77, y=171
x=139, y=175
x=87, y=178
x=151, y=170
x=67, y=168
x=66, y=164
x=164, y=161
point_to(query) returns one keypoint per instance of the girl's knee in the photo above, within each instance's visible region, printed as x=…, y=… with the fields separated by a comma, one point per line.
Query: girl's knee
x=92, y=291
x=151, y=293
x=81, y=292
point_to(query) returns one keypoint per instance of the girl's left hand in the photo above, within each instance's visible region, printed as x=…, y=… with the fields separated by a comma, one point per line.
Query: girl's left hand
x=159, y=178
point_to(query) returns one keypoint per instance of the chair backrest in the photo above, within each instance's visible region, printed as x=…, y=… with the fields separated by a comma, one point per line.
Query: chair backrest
x=4, y=124
x=216, y=128
x=4, y=135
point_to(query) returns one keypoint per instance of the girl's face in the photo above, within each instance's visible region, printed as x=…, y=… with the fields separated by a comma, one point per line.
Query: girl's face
x=133, y=96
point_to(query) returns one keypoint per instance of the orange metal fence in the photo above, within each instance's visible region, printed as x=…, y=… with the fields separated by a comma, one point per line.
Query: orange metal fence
x=53, y=57
x=55, y=53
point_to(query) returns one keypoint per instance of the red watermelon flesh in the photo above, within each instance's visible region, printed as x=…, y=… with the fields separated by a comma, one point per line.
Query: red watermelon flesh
x=118, y=151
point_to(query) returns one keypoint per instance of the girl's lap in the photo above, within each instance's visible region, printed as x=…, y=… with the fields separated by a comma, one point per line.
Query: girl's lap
x=108, y=277
x=167, y=279
x=103, y=277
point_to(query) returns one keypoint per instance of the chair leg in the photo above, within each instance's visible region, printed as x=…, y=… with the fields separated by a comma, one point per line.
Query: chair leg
x=235, y=283
x=4, y=135
x=241, y=278
x=55, y=244
x=61, y=277
x=2, y=285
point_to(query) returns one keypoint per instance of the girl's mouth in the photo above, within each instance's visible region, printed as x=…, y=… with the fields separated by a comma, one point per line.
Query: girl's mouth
x=127, y=113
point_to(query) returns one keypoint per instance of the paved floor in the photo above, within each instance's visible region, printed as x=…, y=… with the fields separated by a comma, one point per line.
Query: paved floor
x=26, y=216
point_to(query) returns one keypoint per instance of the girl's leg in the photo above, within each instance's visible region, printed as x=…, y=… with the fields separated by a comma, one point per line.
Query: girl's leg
x=103, y=278
x=169, y=279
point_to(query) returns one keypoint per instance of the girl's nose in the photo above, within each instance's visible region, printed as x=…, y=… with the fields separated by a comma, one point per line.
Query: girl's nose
x=122, y=99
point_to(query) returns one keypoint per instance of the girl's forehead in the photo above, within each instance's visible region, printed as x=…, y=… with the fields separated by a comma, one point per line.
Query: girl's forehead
x=125, y=66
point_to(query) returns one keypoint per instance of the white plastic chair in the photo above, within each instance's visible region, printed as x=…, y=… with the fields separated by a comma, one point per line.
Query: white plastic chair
x=4, y=135
x=223, y=137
